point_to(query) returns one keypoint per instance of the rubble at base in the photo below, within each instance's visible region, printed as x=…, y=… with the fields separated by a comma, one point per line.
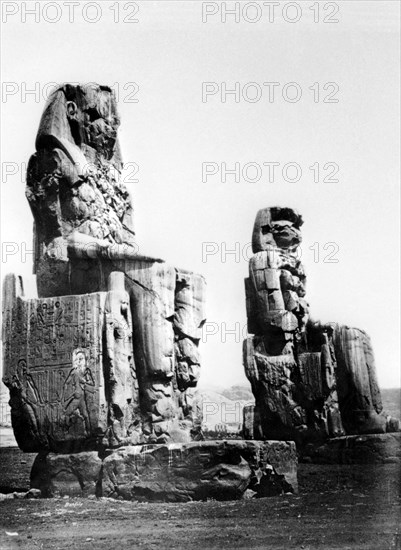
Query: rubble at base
x=220, y=470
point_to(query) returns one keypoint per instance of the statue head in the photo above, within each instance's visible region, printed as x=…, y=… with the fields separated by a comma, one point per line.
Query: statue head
x=79, y=359
x=85, y=116
x=22, y=368
x=278, y=227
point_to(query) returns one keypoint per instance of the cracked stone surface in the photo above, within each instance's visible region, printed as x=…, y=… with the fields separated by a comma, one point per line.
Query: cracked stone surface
x=108, y=353
x=221, y=470
x=311, y=381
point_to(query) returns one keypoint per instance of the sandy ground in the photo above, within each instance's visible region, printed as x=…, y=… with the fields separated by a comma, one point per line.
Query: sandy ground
x=347, y=507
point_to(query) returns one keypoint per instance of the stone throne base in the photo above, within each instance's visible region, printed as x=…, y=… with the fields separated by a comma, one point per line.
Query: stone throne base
x=356, y=449
x=180, y=472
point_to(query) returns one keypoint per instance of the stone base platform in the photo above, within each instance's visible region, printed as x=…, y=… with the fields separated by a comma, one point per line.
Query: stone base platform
x=222, y=470
x=356, y=449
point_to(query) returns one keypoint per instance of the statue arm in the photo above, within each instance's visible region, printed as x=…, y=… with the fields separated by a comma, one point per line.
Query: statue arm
x=85, y=246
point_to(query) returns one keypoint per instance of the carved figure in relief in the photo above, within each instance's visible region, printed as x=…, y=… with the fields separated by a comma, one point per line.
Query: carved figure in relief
x=143, y=338
x=23, y=389
x=78, y=388
x=122, y=384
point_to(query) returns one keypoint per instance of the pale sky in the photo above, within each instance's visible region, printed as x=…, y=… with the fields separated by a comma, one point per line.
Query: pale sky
x=170, y=132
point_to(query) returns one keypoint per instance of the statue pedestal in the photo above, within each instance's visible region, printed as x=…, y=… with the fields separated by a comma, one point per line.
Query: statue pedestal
x=356, y=449
x=179, y=472
x=114, y=364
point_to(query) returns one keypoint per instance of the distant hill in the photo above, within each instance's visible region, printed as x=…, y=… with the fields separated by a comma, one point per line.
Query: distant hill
x=222, y=409
x=238, y=393
x=224, y=406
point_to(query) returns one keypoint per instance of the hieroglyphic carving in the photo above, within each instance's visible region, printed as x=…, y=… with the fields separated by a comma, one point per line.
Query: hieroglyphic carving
x=70, y=369
x=83, y=234
x=53, y=367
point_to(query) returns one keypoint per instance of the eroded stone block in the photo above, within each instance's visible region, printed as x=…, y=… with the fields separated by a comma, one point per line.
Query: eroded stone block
x=357, y=449
x=200, y=470
x=54, y=371
x=70, y=369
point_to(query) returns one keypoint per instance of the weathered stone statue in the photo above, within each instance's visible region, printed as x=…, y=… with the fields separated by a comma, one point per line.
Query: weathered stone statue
x=81, y=207
x=108, y=352
x=103, y=364
x=310, y=381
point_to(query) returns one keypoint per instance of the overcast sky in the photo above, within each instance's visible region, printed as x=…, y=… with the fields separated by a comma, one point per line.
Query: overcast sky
x=169, y=130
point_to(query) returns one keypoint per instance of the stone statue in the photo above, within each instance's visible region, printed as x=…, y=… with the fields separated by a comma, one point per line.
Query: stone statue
x=80, y=205
x=103, y=364
x=110, y=346
x=310, y=381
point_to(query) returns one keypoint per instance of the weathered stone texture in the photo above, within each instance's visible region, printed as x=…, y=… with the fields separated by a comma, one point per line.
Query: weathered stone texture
x=222, y=470
x=358, y=389
x=121, y=381
x=53, y=369
x=357, y=449
x=196, y=471
x=310, y=381
x=132, y=321
x=80, y=204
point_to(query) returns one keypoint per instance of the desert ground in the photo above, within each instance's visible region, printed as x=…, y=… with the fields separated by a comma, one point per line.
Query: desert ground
x=338, y=507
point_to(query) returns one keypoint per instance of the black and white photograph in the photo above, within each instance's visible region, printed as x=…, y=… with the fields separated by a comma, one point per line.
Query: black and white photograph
x=200, y=270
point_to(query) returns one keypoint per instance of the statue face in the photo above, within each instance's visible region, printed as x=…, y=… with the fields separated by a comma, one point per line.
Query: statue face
x=285, y=234
x=101, y=132
x=281, y=233
x=93, y=118
x=276, y=226
x=79, y=360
